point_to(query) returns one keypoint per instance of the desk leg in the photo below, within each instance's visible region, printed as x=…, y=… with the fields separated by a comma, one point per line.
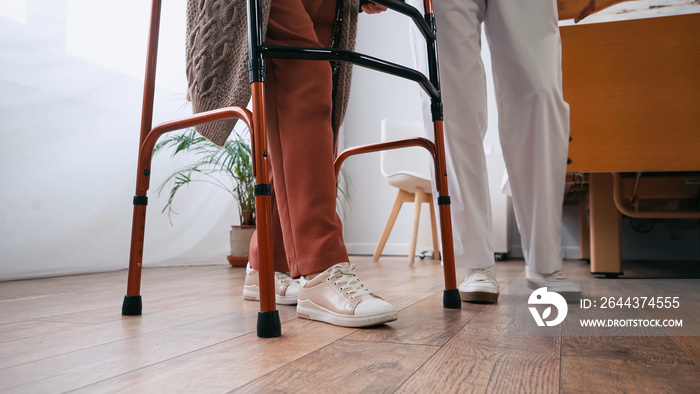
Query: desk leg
x=584, y=229
x=605, y=226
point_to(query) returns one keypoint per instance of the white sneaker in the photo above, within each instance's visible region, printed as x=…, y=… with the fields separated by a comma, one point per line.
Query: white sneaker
x=556, y=282
x=480, y=286
x=337, y=296
x=286, y=288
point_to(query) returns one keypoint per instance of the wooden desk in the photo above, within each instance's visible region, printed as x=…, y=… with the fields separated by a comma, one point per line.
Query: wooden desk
x=634, y=91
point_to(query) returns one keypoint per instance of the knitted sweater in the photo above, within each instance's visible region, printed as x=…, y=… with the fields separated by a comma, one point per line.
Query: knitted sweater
x=217, y=59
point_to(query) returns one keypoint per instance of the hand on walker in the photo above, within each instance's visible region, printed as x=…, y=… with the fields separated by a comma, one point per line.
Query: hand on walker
x=373, y=8
x=587, y=9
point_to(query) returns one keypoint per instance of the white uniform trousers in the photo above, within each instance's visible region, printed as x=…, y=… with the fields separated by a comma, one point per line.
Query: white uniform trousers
x=523, y=37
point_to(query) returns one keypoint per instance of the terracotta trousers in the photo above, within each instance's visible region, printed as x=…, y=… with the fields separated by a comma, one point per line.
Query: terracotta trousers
x=306, y=230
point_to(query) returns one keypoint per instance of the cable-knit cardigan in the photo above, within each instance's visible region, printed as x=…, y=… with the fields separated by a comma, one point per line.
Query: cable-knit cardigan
x=217, y=59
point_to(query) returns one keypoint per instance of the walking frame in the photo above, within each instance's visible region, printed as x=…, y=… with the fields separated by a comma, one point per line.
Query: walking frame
x=268, y=324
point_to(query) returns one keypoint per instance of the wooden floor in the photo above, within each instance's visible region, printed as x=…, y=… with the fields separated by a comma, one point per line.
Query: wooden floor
x=197, y=335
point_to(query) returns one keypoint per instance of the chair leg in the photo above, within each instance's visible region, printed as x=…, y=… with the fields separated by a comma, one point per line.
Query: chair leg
x=419, y=196
x=584, y=229
x=401, y=197
x=433, y=226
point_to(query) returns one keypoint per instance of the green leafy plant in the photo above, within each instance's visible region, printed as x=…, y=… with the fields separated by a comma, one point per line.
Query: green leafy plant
x=233, y=159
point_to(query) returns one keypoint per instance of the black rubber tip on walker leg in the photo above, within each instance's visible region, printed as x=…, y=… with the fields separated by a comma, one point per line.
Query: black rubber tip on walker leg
x=269, y=325
x=131, y=305
x=451, y=300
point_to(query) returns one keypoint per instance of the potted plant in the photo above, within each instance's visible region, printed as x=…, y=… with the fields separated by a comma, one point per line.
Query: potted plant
x=234, y=160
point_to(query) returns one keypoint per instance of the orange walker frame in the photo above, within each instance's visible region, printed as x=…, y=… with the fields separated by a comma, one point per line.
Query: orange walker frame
x=268, y=318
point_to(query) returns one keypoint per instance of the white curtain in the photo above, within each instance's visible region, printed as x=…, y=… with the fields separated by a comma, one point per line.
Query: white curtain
x=71, y=80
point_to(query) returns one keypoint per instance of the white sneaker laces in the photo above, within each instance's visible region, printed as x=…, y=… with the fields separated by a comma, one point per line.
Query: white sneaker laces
x=481, y=275
x=343, y=275
x=283, y=277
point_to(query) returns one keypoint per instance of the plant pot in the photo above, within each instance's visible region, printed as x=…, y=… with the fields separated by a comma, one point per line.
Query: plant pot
x=240, y=244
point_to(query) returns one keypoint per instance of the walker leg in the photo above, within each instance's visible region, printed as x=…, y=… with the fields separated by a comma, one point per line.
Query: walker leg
x=450, y=298
x=268, y=319
x=269, y=325
x=132, y=300
x=131, y=306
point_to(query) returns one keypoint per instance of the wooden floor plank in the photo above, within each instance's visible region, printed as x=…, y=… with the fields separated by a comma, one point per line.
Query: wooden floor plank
x=424, y=323
x=228, y=365
x=243, y=321
x=49, y=345
x=151, y=305
x=646, y=349
x=691, y=345
x=630, y=364
x=27, y=329
x=81, y=368
x=401, y=299
x=49, y=305
x=399, y=276
x=583, y=375
x=476, y=361
x=482, y=357
x=335, y=368
x=49, y=298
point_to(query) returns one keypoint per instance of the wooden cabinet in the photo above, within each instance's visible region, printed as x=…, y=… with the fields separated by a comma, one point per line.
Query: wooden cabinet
x=634, y=91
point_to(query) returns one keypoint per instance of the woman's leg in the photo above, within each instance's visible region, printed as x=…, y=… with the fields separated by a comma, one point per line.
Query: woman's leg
x=300, y=139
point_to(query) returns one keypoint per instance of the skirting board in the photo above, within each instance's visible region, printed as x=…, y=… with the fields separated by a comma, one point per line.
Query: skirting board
x=390, y=249
x=567, y=252
x=401, y=249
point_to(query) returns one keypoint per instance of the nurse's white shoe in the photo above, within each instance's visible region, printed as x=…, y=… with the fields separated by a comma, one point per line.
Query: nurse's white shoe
x=556, y=282
x=480, y=286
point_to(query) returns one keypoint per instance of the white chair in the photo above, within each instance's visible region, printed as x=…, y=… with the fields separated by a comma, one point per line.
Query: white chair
x=409, y=171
